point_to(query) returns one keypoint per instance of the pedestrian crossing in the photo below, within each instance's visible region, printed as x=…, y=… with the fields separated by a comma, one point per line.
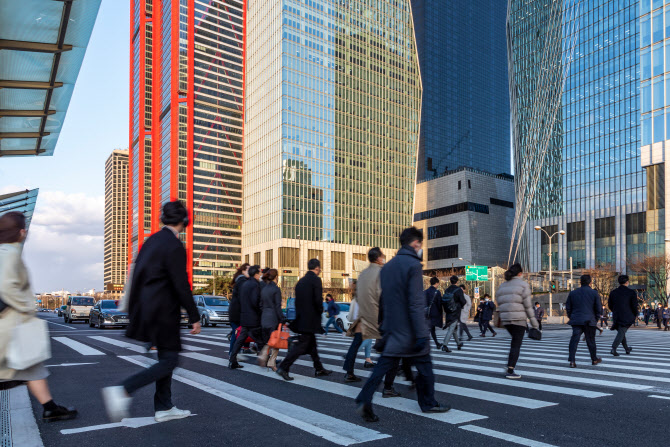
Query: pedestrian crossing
x=471, y=380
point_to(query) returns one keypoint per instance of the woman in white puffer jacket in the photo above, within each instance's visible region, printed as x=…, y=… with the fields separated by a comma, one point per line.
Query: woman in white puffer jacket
x=516, y=308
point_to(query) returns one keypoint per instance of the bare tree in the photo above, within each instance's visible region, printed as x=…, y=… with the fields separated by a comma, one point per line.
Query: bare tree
x=603, y=279
x=655, y=268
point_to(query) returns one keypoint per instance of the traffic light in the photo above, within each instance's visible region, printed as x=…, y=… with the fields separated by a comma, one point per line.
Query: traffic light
x=287, y=271
x=553, y=285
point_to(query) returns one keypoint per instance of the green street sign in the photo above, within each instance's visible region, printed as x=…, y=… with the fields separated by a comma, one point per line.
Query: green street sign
x=476, y=273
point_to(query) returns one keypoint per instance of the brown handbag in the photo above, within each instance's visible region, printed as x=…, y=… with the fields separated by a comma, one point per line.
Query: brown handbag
x=279, y=338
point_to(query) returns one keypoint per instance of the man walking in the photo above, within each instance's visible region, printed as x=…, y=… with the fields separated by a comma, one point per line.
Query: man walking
x=307, y=323
x=159, y=289
x=452, y=303
x=333, y=310
x=539, y=314
x=434, y=306
x=658, y=313
x=487, y=307
x=404, y=326
x=584, y=308
x=465, y=314
x=646, y=314
x=623, y=304
x=250, y=316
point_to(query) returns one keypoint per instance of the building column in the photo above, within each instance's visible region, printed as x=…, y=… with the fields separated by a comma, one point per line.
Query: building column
x=590, y=239
x=620, y=237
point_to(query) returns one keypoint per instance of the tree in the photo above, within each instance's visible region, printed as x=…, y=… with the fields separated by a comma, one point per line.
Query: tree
x=603, y=279
x=655, y=268
x=224, y=286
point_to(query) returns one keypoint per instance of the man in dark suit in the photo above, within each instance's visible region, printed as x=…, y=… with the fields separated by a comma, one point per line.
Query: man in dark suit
x=159, y=289
x=584, y=308
x=250, y=315
x=307, y=323
x=623, y=304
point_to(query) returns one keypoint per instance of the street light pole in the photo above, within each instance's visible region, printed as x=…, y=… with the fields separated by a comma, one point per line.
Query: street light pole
x=551, y=295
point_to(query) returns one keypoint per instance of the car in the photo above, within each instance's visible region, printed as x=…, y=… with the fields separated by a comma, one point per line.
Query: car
x=61, y=311
x=289, y=310
x=106, y=313
x=212, y=309
x=183, y=320
x=78, y=308
x=342, y=319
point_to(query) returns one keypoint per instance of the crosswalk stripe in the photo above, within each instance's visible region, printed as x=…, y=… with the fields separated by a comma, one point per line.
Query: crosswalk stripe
x=138, y=348
x=207, y=342
x=398, y=403
x=505, y=436
x=659, y=397
x=338, y=431
x=606, y=344
x=77, y=346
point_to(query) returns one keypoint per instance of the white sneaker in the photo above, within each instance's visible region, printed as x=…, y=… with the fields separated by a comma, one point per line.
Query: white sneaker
x=172, y=413
x=117, y=403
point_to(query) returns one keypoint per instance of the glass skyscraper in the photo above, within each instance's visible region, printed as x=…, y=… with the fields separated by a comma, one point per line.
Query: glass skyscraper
x=333, y=98
x=465, y=106
x=585, y=152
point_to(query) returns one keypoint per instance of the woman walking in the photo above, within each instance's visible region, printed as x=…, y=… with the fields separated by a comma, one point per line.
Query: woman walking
x=235, y=309
x=17, y=306
x=515, y=306
x=271, y=316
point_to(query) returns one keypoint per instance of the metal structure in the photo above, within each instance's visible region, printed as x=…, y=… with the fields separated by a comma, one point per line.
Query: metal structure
x=561, y=232
x=22, y=201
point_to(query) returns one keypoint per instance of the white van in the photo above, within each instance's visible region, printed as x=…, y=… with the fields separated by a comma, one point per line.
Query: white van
x=78, y=308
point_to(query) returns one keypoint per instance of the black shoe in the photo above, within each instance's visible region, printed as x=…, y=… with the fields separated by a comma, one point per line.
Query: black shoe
x=284, y=375
x=351, y=378
x=482, y=335
x=470, y=338
x=494, y=334
x=438, y=346
x=628, y=350
x=59, y=414
x=246, y=351
x=445, y=348
x=459, y=346
x=596, y=361
x=614, y=353
x=439, y=408
x=369, y=365
x=365, y=411
x=235, y=365
x=390, y=393
x=573, y=365
x=322, y=373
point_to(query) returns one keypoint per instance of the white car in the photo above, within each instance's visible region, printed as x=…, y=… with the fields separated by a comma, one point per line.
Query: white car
x=341, y=319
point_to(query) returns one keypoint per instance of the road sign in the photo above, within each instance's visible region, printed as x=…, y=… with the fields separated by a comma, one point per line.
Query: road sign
x=476, y=273
x=476, y=292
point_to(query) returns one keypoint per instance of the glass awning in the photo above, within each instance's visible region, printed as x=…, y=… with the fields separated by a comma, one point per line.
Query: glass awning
x=23, y=201
x=42, y=46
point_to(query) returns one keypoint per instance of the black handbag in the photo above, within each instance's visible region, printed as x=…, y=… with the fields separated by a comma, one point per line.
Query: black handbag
x=535, y=334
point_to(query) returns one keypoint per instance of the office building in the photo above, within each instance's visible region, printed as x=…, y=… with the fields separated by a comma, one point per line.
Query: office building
x=186, y=120
x=331, y=132
x=465, y=106
x=116, y=222
x=575, y=110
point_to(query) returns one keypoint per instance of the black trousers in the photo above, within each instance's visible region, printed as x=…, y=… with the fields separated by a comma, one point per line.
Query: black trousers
x=620, y=338
x=161, y=373
x=517, y=333
x=434, y=335
x=300, y=345
x=256, y=333
x=486, y=324
x=590, y=336
x=464, y=328
x=539, y=322
x=425, y=380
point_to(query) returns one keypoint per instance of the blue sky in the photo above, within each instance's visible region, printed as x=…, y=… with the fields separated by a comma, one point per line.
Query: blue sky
x=64, y=249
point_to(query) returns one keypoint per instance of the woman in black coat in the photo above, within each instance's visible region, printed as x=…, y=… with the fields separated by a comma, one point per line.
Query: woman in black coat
x=234, y=310
x=271, y=317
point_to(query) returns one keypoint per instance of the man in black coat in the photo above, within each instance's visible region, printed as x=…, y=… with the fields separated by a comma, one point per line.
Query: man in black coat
x=250, y=315
x=307, y=323
x=404, y=327
x=487, y=307
x=623, y=304
x=159, y=289
x=584, y=308
x=434, y=306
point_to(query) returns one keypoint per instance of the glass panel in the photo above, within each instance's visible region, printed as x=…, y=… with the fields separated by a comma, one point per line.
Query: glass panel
x=646, y=129
x=659, y=126
x=645, y=92
x=657, y=26
x=659, y=93
x=658, y=59
x=645, y=32
x=645, y=62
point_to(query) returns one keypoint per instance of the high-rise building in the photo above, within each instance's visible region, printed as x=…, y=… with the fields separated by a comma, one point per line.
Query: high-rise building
x=575, y=110
x=333, y=98
x=116, y=221
x=465, y=105
x=186, y=120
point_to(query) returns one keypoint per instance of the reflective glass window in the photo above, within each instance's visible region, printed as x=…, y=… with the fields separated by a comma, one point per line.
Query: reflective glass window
x=659, y=126
x=658, y=59
x=659, y=93
x=657, y=26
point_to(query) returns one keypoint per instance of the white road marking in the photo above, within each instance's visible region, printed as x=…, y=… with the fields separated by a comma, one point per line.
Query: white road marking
x=655, y=396
x=207, y=342
x=71, y=364
x=324, y=426
x=397, y=403
x=22, y=420
x=58, y=324
x=129, y=422
x=77, y=346
x=505, y=436
x=138, y=348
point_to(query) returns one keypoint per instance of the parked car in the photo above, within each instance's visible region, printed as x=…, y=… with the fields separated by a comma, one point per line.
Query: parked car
x=212, y=309
x=184, y=319
x=78, y=308
x=61, y=311
x=106, y=313
x=289, y=310
x=342, y=319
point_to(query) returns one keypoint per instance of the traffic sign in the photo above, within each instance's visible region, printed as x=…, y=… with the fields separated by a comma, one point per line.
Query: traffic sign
x=476, y=273
x=476, y=292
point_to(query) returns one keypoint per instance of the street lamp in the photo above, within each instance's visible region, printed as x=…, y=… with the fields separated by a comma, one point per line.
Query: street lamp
x=561, y=232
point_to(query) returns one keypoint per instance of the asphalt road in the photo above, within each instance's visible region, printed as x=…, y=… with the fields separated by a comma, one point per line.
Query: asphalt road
x=611, y=404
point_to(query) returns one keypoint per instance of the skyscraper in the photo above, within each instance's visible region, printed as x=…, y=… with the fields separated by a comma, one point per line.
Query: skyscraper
x=465, y=106
x=331, y=132
x=574, y=83
x=116, y=221
x=186, y=120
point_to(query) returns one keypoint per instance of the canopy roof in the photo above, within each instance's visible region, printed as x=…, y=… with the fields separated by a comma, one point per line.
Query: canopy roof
x=23, y=201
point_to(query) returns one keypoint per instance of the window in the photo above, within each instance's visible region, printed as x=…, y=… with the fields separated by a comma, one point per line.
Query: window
x=257, y=258
x=499, y=202
x=576, y=236
x=459, y=184
x=446, y=252
x=315, y=254
x=446, y=230
x=452, y=209
x=656, y=187
x=544, y=247
x=268, y=258
x=469, y=184
x=605, y=241
x=288, y=257
x=337, y=260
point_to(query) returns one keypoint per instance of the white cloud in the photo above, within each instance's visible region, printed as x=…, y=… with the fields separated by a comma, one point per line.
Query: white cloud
x=64, y=248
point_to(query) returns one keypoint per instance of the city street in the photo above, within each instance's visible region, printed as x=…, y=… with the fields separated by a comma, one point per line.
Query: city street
x=614, y=404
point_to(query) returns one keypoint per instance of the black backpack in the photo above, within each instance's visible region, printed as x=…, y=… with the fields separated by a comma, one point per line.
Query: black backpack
x=449, y=301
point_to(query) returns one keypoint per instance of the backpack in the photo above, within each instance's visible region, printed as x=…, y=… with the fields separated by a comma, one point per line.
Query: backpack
x=449, y=301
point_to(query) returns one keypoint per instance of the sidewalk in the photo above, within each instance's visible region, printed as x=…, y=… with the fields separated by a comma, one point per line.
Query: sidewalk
x=17, y=423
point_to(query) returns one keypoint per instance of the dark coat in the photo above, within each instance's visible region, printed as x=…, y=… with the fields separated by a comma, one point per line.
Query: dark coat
x=333, y=308
x=459, y=299
x=308, y=305
x=271, y=314
x=623, y=304
x=583, y=307
x=487, y=310
x=404, y=304
x=160, y=288
x=235, y=310
x=539, y=313
x=658, y=312
x=250, y=303
x=434, y=300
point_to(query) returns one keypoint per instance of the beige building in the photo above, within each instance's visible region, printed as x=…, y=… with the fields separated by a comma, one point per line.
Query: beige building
x=116, y=221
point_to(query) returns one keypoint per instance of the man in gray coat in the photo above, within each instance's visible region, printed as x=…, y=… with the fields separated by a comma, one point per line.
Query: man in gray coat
x=404, y=327
x=584, y=308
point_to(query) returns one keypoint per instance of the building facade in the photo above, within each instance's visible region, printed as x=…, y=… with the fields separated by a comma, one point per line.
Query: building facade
x=186, y=121
x=331, y=135
x=465, y=105
x=466, y=217
x=116, y=222
x=575, y=112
